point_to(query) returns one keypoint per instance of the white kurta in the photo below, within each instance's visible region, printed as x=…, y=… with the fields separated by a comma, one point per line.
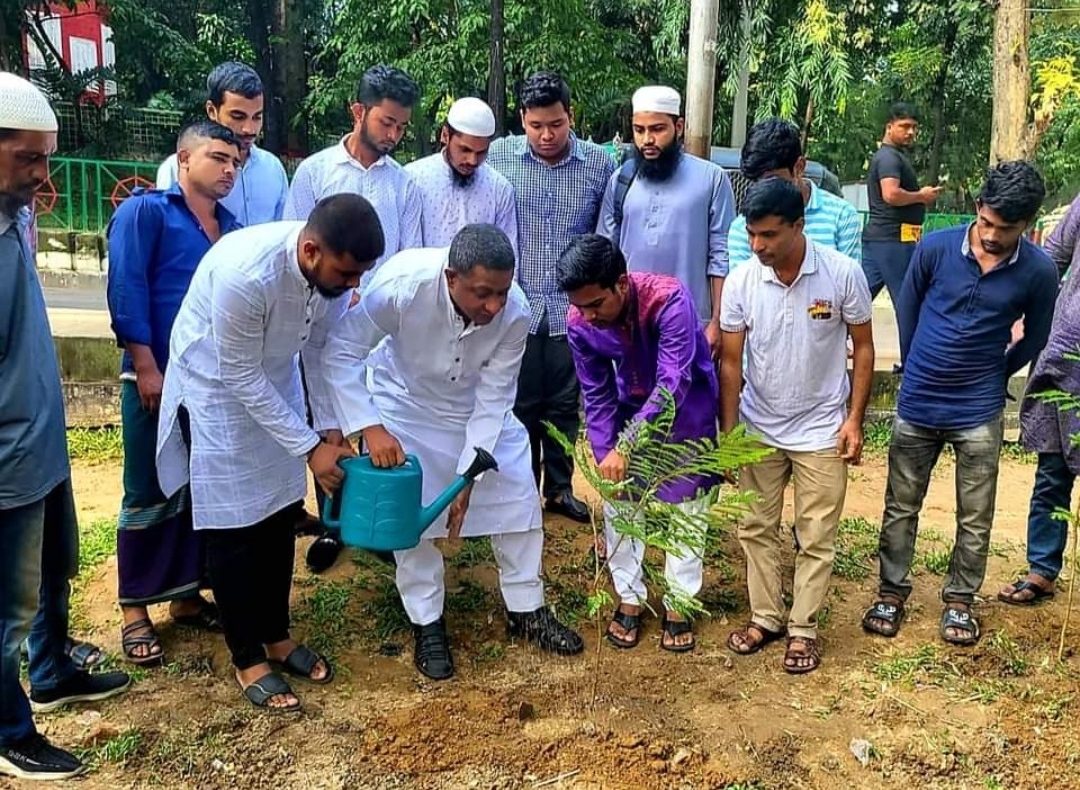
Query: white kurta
x=449, y=207
x=440, y=387
x=234, y=365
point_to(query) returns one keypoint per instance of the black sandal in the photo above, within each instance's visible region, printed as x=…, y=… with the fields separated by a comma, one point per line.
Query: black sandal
x=891, y=612
x=628, y=622
x=960, y=620
x=767, y=636
x=266, y=688
x=301, y=663
x=84, y=655
x=208, y=618
x=1038, y=594
x=141, y=633
x=672, y=629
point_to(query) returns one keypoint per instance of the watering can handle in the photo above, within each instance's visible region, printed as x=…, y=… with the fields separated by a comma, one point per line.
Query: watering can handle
x=328, y=503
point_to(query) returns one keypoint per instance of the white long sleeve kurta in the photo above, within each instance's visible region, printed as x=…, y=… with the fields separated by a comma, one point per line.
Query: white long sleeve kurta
x=441, y=387
x=234, y=366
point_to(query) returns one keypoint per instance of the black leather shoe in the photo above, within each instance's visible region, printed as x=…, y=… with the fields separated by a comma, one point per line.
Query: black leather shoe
x=323, y=553
x=544, y=630
x=432, y=651
x=568, y=505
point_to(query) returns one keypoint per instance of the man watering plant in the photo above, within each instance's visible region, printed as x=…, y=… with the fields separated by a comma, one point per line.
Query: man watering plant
x=452, y=326
x=634, y=338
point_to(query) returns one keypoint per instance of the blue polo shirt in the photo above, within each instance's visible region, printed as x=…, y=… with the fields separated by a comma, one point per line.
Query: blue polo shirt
x=155, y=244
x=955, y=325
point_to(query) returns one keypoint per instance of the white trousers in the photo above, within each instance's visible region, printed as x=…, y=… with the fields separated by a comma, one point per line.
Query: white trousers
x=421, y=575
x=625, y=555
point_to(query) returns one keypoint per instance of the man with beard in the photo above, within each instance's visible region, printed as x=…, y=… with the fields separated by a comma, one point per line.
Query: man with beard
x=459, y=188
x=362, y=163
x=675, y=215
x=451, y=326
x=965, y=289
x=156, y=241
x=897, y=205
x=559, y=183
x=236, y=102
x=233, y=422
x=39, y=532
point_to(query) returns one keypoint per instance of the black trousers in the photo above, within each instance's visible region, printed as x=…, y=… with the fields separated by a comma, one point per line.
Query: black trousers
x=251, y=576
x=548, y=390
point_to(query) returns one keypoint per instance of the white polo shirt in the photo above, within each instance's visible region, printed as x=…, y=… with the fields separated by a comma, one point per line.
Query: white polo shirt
x=796, y=375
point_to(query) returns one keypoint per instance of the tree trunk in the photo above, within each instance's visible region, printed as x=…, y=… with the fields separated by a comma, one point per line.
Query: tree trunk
x=808, y=120
x=937, y=101
x=701, y=76
x=295, y=80
x=496, y=87
x=259, y=14
x=275, y=133
x=1012, y=86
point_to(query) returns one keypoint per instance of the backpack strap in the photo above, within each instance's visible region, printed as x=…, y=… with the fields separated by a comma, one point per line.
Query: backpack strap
x=627, y=173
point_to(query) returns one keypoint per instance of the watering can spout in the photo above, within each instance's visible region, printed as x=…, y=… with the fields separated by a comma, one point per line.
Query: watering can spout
x=483, y=462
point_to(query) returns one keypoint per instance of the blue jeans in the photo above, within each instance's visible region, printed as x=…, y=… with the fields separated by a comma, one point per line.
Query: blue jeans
x=912, y=455
x=1047, y=535
x=885, y=263
x=39, y=554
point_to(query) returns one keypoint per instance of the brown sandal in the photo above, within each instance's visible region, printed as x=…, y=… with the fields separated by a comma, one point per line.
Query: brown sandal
x=138, y=634
x=809, y=653
x=751, y=645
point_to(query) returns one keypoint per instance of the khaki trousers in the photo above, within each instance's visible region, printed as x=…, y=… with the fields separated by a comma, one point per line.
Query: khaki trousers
x=820, y=479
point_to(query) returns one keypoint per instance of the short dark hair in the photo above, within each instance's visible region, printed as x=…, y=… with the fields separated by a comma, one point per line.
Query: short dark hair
x=773, y=144
x=773, y=197
x=387, y=82
x=1013, y=190
x=480, y=244
x=902, y=111
x=543, y=89
x=348, y=224
x=233, y=77
x=590, y=259
x=205, y=129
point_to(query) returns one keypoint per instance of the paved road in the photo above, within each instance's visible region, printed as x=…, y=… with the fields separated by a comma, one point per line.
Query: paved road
x=82, y=312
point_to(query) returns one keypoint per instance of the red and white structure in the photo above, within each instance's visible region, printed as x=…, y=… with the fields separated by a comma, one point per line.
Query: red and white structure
x=82, y=37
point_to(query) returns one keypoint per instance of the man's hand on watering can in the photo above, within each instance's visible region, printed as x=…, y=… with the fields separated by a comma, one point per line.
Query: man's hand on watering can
x=323, y=462
x=384, y=449
x=456, y=515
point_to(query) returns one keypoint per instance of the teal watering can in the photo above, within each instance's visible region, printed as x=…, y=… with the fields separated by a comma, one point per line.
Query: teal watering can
x=381, y=508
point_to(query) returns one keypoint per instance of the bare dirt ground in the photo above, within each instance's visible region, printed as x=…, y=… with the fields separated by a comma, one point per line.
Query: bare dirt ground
x=999, y=715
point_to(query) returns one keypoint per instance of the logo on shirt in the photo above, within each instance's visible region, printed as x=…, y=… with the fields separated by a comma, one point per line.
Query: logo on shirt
x=820, y=310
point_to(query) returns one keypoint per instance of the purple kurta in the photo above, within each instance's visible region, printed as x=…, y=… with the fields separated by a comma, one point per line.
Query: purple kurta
x=1044, y=428
x=622, y=368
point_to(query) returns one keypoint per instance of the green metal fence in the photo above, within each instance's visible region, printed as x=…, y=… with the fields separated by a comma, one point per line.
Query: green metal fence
x=82, y=194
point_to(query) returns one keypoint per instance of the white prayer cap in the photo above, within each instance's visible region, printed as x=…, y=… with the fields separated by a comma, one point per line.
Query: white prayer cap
x=657, y=98
x=23, y=106
x=471, y=116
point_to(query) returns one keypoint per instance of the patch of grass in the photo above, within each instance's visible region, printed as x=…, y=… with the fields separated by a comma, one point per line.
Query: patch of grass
x=97, y=542
x=1015, y=451
x=326, y=611
x=924, y=662
x=856, y=548
x=877, y=436
x=95, y=445
x=936, y=561
x=117, y=750
x=570, y=602
x=474, y=552
x=469, y=597
x=1011, y=656
x=1056, y=706
x=387, y=612
x=986, y=691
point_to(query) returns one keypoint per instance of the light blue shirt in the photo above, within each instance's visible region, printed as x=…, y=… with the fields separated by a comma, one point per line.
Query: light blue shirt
x=677, y=227
x=830, y=221
x=258, y=195
x=386, y=185
x=33, y=437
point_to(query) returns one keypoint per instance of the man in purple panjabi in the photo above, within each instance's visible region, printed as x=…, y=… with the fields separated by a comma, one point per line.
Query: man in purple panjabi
x=635, y=336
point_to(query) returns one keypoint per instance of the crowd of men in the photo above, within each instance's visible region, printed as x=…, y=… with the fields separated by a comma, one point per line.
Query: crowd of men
x=271, y=329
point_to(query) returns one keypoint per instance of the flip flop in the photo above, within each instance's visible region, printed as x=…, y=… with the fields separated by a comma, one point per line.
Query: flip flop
x=888, y=611
x=674, y=628
x=267, y=687
x=960, y=620
x=301, y=663
x=1038, y=594
x=629, y=622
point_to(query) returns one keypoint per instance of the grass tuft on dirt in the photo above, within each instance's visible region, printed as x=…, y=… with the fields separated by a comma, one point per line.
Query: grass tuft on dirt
x=856, y=548
x=96, y=445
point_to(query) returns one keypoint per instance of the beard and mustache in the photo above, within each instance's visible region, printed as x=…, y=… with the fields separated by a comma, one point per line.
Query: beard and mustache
x=663, y=167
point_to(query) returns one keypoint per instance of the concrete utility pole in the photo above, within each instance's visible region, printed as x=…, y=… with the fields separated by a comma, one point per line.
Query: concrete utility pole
x=739, y=112
x=701, y=76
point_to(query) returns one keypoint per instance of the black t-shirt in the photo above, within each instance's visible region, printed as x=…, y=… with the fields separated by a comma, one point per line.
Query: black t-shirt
x=885, y=220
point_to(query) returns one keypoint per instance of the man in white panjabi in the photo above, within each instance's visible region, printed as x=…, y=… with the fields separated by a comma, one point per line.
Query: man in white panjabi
x=458, y=187
x=450, y=326
x=233, y=421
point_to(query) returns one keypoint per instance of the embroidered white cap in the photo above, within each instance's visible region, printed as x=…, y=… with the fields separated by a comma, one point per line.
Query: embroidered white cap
x=657, y=98
x=471, y=116
x=23, y=106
